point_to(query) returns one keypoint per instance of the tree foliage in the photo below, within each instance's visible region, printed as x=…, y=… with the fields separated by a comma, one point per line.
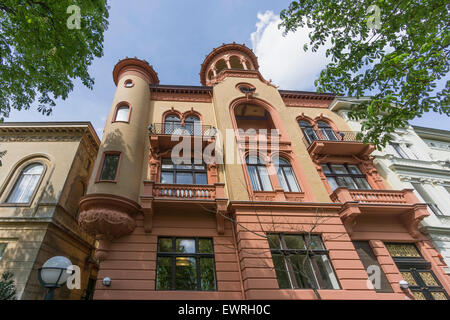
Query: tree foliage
x=42, y=51
x=7, y=286
x=402, y=64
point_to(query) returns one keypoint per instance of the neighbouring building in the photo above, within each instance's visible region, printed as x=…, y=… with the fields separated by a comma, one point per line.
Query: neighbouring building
x=299, y=213
x=44, y=174
x=419, y=159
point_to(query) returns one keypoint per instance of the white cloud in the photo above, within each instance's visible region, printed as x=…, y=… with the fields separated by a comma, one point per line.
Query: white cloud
x=281, y=58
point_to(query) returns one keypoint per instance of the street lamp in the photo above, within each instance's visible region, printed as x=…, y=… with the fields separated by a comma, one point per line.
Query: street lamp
x=53, y=274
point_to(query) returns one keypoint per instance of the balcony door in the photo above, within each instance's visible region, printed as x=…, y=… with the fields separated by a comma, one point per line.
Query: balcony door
x=308, y=131
x=326, y=131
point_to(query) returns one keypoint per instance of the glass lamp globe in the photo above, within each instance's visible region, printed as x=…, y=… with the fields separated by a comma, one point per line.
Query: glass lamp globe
x=53, y=272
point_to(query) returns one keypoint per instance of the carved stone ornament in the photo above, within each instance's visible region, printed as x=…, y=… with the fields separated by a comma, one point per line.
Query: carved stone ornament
x=107, y=216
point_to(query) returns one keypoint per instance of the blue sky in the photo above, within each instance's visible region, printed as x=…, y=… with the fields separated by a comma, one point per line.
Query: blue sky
x=176, y=35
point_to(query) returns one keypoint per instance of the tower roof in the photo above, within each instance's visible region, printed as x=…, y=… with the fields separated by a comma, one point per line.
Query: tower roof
x=223, y=50
x=136, y=65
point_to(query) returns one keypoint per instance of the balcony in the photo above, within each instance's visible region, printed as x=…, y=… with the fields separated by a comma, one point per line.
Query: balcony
x=371, y=196
x=161, y=134
x=381, y=203
x=330, y=142
x=159, y=197
x=182, y=130
x=183, y=192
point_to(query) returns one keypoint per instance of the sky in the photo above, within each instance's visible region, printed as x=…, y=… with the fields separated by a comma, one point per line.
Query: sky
x=176, y=35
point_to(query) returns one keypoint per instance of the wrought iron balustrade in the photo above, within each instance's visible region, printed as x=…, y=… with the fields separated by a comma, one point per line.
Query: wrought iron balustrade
x=187, y=129
x=310, y=135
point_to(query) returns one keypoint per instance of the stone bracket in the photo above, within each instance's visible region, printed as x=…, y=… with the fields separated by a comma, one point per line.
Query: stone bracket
x=349, y=212
x=413, y=217
x=221, y=215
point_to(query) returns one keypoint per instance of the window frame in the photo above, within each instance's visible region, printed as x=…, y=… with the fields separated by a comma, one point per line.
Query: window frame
x=171, y=123
x=261, y=164
x=292, y=252
x=326, y=130
x=15, y=178
x=286, y=165
x=192, y=126
x=102, y=163
x=197, y=256
x=3, y=247
x=306, y=125
x=335, y=175
x=193, y=171
x=118, y=106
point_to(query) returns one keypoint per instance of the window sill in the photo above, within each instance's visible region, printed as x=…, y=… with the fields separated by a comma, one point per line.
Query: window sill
x=107, y=181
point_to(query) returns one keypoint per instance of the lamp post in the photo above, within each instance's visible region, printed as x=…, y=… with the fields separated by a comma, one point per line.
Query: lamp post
x=53, y=274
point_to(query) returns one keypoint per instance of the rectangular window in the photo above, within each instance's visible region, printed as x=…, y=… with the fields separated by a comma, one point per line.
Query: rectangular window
x=427, y=199
x=400, y=152
x=185, y=264
x=2, y=249
x=301, y=262
x=110, y=167
x=183, y=173
x=345, y=175
x=373, y=268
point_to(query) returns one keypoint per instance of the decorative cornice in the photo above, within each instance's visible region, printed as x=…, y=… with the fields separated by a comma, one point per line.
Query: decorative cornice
x=306, y=99
x=181, y=93
x=54, y=131
x=238, y=73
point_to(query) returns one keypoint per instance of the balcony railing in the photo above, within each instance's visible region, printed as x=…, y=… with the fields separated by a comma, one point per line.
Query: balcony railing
x=373, y=196
x=311, y=135
x=184, y=191
x=163, y=192
x=182, y=130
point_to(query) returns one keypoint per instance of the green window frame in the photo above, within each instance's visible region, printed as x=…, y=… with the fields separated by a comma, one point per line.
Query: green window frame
x=186, y=263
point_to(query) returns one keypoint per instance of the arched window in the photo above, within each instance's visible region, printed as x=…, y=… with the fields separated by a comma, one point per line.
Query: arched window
x=286, y=175
x=122, y=114
x=193, y=125
x=308, y=131
x=26, y=183
x=326, y=131
x=171, y=123
x=220, y=65
x=236, y=63
x=259, y=176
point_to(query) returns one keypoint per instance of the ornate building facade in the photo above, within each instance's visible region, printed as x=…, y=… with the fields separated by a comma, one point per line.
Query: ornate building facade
x=44, y=173
x=418, y=159
x=273, y=198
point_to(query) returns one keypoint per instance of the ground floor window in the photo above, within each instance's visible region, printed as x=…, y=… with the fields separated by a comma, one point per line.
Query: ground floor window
x=416, y=271
x=185, y=264
x=301, y=262
x=373, y=268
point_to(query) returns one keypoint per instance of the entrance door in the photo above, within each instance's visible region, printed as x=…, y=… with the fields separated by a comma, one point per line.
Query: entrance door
x=417, y=271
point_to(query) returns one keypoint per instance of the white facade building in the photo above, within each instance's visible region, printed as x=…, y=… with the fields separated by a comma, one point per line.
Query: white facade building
x=418, y=158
